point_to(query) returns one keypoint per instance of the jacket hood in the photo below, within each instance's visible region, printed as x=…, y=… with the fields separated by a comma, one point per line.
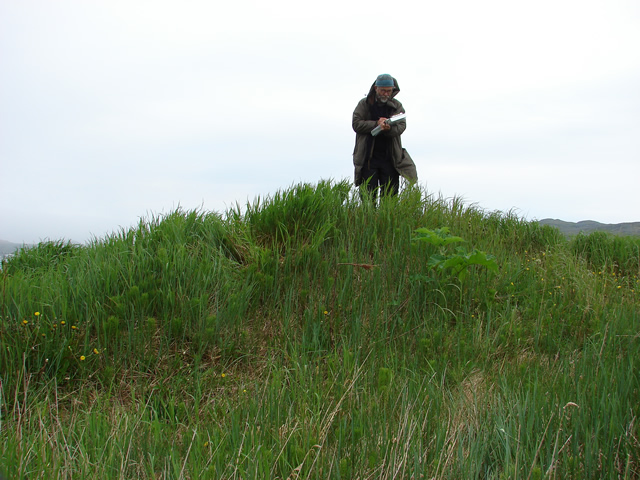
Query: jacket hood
x=371, y=96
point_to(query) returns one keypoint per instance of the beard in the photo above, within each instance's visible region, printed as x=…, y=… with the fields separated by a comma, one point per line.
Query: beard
x=382, y=98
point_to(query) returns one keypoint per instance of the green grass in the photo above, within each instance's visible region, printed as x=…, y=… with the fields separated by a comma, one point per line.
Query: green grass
x=313, y=336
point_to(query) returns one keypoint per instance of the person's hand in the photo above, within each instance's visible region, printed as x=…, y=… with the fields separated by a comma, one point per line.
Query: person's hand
x=383, y=125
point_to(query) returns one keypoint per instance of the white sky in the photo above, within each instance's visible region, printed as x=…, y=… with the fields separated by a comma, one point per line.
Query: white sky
x=120, y=109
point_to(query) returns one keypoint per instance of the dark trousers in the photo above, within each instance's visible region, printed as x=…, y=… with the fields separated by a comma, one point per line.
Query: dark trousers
x=383, y=179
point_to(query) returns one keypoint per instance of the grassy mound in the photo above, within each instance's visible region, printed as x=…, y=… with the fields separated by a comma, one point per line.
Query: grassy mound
x=313, y=335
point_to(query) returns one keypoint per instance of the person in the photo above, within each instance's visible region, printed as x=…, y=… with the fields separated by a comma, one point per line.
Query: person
x=380, y=160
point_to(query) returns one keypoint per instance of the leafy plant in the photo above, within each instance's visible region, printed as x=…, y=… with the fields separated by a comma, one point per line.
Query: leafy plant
x=455, y=263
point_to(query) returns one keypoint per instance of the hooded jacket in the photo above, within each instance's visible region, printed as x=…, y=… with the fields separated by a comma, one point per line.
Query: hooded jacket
x=363, y=124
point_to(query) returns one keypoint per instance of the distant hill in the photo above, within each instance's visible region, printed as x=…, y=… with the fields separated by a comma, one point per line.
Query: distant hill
x=8, y=247
x=571, y=229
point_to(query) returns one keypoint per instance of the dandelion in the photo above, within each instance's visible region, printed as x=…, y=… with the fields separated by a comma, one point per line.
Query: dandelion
x=37, y=314
x=24, y=322
x=223, y=375
x=82, y=358
x=326, y=312
x=96, y=351
x=63, y=323
x=73, y=327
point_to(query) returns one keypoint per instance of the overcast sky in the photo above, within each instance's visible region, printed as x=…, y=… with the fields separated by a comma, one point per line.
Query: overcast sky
x=115, y=110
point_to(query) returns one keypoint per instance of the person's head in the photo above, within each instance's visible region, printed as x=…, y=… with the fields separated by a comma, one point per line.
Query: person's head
x=384, y=87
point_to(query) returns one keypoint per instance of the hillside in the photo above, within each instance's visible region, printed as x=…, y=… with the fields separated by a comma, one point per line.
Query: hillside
x=7, y=248
x=314, y=336
x=589, y=226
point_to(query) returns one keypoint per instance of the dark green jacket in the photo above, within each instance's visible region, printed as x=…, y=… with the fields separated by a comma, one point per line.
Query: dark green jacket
x=362, y=124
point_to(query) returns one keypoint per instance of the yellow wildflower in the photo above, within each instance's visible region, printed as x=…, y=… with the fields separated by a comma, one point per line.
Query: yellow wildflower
x=37, y=314
x=96, y=351
x=82, y=358
x=24, y=322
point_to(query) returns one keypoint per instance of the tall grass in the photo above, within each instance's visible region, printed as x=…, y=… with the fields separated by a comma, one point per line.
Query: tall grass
x=310, y=336
x=604, y=251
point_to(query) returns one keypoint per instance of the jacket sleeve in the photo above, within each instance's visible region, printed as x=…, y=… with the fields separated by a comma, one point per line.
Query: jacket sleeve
x=398, y=128
x=360, y=121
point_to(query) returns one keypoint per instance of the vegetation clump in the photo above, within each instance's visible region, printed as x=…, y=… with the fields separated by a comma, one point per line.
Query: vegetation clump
x=312, y=335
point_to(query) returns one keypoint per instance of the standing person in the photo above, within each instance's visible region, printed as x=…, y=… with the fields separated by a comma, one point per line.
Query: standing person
x=380, y=160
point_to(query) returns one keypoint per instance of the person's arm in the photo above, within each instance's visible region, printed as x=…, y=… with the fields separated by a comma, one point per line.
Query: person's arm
x=360, y=121
x=396, y=129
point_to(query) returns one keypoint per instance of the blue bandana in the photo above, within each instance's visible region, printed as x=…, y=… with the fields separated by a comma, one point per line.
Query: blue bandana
x=384, y=80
